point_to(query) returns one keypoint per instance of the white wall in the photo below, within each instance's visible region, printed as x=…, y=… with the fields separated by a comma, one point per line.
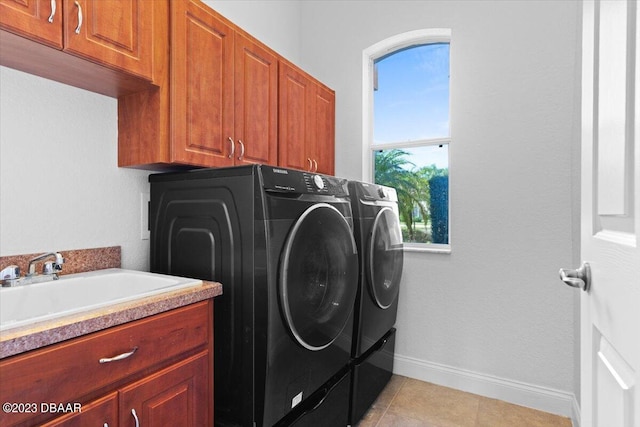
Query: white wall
x=492, y=316
x=60, y=187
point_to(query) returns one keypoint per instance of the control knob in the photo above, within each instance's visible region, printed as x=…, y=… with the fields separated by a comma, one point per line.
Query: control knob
x=382, y=193
x=318, y=182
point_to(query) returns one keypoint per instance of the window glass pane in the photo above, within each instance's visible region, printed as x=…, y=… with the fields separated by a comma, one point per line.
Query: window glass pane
x=420, y=175
x=411, y=94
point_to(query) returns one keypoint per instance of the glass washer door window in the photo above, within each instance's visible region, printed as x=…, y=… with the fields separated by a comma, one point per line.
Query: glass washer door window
x=318, y=276
x=385, y=258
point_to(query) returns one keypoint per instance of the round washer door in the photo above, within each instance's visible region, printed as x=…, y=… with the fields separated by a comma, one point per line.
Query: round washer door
x=318, y=276
x=384, y=258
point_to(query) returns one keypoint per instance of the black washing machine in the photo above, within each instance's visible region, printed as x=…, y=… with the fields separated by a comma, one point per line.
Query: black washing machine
x=281, y=243
x=379, y=240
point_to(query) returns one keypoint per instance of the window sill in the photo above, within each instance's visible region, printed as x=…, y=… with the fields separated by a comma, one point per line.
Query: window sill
x=420, y=247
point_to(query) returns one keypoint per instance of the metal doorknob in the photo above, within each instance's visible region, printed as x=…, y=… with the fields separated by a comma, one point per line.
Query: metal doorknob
x=580, y=278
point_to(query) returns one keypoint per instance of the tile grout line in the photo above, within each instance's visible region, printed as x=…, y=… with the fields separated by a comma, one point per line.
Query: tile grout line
x=477, y=420
x=391, y=401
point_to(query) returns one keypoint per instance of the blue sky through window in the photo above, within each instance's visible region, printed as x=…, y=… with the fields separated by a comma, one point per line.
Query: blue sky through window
x=412, y=100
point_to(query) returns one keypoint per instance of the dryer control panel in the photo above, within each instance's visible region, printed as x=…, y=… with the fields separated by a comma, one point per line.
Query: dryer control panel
x=377, y=192
x=298, y=182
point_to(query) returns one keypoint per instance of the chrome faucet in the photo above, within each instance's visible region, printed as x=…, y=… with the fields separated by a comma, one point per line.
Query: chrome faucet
x=10, y=275
x=48, y=267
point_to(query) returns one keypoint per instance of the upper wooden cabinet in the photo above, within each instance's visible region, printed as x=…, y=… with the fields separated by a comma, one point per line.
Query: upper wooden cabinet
x=256, y=102
x=40, y=20
x=220, y=108
x=307, y=122
x=193, y=89
x=117, y=33
x=225, y=101
x=114, y=35
x=201, y=81
x=325, y=130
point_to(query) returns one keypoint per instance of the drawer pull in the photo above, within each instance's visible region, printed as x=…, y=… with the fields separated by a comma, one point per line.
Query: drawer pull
x=233, y=148
x=135, y=417
x=241, y=149
x=53, y=11
x=77, y=30
x=118, y=357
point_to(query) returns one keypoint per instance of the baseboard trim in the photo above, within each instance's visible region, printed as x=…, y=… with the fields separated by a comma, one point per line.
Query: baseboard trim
x=519, y=393
x=575, y=411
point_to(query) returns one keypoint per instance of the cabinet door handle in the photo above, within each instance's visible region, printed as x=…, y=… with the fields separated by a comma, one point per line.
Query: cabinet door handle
x=310, y=164
x=118, y=357
x=77, y=31
x=233, y=148
x=241, y=149
x=315, y=166
x=135, y=417
x=53, y=11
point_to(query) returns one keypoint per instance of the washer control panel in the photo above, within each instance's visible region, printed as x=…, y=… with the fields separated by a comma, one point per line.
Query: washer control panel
x=293, y=181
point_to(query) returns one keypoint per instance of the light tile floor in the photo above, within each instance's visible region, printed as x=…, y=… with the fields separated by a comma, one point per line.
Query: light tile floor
x=406, y=402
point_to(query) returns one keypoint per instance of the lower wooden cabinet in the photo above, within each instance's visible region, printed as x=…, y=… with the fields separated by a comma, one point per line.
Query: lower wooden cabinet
x=158, y=369
x=100, y=412
x=176, y=396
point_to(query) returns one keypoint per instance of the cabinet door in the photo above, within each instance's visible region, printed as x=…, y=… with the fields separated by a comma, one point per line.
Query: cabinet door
x=100, y=412
x=175, y=396
x=256, y=103
x=201, y=86
x=39, y=20
x=295, y=118
x=117, y=33
x=324, y=122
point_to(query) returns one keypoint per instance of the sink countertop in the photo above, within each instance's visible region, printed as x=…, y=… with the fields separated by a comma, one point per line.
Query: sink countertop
x=30, y=337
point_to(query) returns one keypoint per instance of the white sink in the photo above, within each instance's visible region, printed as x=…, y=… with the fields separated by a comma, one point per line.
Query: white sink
x=75, y=293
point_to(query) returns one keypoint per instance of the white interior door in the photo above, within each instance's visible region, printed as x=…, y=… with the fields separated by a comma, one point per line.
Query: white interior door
x=610, y=309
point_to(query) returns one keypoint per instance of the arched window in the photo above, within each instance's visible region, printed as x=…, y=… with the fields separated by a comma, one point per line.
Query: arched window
x=407, y=130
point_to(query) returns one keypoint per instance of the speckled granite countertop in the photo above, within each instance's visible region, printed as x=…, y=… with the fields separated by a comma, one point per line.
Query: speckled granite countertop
x=21, y=339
